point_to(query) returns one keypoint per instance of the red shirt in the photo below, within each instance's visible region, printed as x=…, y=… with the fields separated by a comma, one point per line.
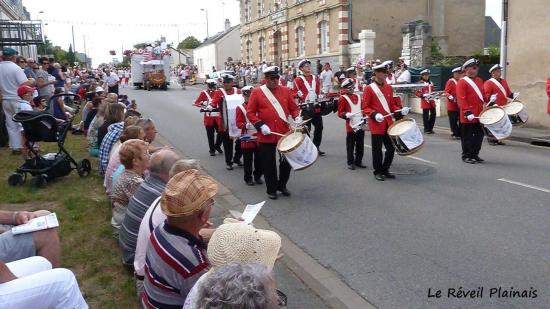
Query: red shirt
x=217, y=101
x=425, y=104
x=468, y=100
x=344, y=107
x=372, y=105
x=450, y=90
x=241, y=124
x=489, y=88
x=260, y=111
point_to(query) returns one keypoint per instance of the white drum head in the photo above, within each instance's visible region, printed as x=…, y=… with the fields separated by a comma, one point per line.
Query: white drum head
x=513, y=108
x=491, y=115
x=401, y=127
x=290, y=141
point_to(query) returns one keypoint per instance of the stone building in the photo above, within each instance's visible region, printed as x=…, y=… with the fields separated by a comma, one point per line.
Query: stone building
x=528, y=56
x=17, y=30
x=283, y=31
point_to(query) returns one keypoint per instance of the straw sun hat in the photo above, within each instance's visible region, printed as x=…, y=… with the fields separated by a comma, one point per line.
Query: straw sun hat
x=240, y=242
x=186, y=193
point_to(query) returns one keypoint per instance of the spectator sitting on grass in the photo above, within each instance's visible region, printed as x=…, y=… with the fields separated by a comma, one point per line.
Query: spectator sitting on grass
x=159, y=168
x=15, y=247
x=186, y=201
x=57, y=107
x=114, y=122
x=32, y=283
x=135, y=158
x=130, y=132
x=99, y=119
x=39, y=104
x=237, y=242
x=150, y=130
x=236, y=286
x=92, y=108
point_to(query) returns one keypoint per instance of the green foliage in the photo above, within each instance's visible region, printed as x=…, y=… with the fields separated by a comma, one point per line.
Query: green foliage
x=140, y=45
x=189, y=42
x=436, y=50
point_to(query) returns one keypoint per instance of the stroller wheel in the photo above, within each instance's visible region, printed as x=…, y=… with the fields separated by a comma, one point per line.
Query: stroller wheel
x=39, y=181
x=84, y=168
x=16, y=179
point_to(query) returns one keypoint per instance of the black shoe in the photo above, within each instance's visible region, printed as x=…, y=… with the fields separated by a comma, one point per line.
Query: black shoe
x=272, y=196
x=478, y=159
x=219, y=149
x=229, y=167
x=430, y=132
x=469, y=160
x=500, y=143
x=258, y=180
x=493, y=143
x=250, y=182
x=285, y=192
x=321, y=153
x=389, y=175
x=379, y=177
x=360, y=165
x=351, y=167
x=238, y=162
x=212, y=153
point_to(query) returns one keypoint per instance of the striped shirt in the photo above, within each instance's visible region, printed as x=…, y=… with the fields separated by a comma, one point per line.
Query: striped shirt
x=148, y=191
x=175, y=260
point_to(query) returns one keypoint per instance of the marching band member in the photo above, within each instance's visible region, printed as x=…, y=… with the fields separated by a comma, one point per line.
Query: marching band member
x=308, y=88
x=269, y=109
x=452, y=106
x=350, y=108
x=380, y=105
x=427, y=102
x=212, y=120
x=471, y=102
x=499, y=87
x=351, y=73
x=218, y=102
x=248, y=142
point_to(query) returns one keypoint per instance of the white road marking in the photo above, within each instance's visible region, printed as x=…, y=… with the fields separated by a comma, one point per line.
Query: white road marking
x=412, y=157
x=524, y=185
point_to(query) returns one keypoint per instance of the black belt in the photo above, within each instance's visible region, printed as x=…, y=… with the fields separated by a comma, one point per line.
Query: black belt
x=139, y=277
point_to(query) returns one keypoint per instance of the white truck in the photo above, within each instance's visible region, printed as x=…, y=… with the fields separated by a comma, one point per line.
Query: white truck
x=145, y=74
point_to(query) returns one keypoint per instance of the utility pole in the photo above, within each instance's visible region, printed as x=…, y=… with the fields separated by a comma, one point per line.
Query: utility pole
x=504, y=38
x=177, y=46
x=74, y=46
x=85, y=53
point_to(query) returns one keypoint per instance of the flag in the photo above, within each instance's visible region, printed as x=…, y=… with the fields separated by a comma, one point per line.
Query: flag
x=147, y=56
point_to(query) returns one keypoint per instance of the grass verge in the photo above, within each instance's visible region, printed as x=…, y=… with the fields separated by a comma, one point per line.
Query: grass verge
x=88, y=247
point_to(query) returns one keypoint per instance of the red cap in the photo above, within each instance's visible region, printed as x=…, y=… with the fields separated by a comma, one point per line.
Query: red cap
x=24, y=89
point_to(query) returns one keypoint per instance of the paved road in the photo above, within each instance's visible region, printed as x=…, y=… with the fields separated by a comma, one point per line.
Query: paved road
x=441, y=224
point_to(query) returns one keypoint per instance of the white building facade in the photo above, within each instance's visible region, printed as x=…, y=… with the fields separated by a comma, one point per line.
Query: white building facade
x=216, y=50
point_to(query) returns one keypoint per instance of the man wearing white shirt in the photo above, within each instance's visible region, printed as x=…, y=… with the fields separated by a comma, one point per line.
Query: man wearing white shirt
x=326, y=78
x=112, y=81
x=404, y=76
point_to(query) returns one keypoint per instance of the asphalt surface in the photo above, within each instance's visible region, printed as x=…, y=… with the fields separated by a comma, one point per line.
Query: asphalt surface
x=441, y=224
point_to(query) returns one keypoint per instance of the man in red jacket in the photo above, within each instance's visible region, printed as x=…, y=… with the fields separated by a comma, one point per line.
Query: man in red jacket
x=212, y=120
x=350, y=108
x=427, y=102
x=308, y=87
x=269, y=109
x=471, y=102
x=380, y=105
x=548, y=94
x=218, y=102
x=249, y=146
x=452, y=105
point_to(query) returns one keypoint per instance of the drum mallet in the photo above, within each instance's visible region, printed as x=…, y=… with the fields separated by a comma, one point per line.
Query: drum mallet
x=392, y=113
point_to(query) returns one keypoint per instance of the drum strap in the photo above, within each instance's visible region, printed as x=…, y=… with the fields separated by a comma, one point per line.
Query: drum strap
x=380, y=97
x=243, y=110
x=310, y=88
x=273, y=100
x=454, y=81
x=474, y=86
x=208, y=95
x=499, y=86
x=211, y=114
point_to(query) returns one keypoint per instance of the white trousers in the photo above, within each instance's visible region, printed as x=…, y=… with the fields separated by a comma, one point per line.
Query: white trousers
x=39, y=286
x=11, y=107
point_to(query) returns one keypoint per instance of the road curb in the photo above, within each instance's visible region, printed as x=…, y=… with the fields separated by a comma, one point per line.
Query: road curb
x=327, y=284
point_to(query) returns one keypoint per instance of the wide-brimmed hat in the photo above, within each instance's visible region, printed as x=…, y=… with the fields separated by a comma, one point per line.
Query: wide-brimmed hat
x=240, y=242
x=186, y=193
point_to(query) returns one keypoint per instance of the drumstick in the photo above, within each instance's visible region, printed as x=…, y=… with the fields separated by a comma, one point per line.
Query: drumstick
x=392, y=113
x=275, y=133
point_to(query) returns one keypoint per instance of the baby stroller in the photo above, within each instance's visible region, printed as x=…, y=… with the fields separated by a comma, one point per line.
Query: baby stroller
x=43, y=127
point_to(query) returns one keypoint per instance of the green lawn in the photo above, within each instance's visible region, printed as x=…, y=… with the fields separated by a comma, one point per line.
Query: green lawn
x=88, y=247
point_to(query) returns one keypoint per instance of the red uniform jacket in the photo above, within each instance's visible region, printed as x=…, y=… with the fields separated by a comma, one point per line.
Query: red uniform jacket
x=548, y=94
x=450, y=90
x=489, y=88
x=468, y=100
x=343, y=108
x=208, y=120
x=373, y=105
x=241, y=124
x=425, y=104
x=217, y=101
x=260, y=111
x=300, y=86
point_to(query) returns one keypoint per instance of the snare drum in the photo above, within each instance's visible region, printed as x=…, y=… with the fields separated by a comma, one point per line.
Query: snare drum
x=517, y=112
x=298, y=149
x=496, y=121
x=406, y=137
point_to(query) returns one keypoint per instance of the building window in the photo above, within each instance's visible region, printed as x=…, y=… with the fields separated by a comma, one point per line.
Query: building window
x=324, y=42
x=247, y=10
x=248, y=51
x=300, y=41
x=260, y=8
x=262, y=49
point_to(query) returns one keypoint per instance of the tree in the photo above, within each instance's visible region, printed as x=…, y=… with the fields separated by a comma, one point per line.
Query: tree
x=189, y=42
x=71, y=57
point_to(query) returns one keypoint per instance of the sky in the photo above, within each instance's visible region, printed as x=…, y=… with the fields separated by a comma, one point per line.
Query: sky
x=119, y=24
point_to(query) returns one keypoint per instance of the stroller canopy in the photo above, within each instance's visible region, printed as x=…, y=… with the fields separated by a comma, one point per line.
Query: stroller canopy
x=38, y=126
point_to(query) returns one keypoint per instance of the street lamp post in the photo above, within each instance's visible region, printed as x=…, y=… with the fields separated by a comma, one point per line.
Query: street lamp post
x=206, y=11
